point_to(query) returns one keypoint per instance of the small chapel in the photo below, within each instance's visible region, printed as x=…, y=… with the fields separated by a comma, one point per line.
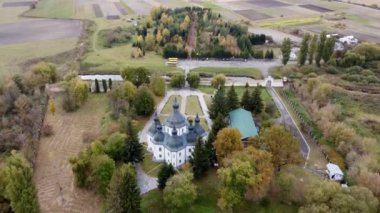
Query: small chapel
x=173, y=141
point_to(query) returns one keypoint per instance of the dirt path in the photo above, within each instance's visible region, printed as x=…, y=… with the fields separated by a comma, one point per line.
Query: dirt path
x=53, y=175
x=191, y=39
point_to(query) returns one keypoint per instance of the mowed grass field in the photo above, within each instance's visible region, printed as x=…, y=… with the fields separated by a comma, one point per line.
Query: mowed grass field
x=168, y=108
x=289, y=22
x=110, y=60
x=193, y=106
x=15, y=54
x=54, y=9
x=229, y=71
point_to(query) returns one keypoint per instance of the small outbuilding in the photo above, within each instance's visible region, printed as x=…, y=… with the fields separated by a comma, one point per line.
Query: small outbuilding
x=334, y=172
x=242, y=119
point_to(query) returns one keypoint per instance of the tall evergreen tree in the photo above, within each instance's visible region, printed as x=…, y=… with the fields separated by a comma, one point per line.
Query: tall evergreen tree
x=218, y=104
x=232, y=99
x=312, y=48
x=123, y=193
x=200, y=159
x=302, y=55
x=166, y=171
x=97, y=88
x=110, y=83
x=320, y=49
x=329, y=49
x=19, y=187
x=217, y=125
x=104, y=83
x=286, y=49
x=256, y=101
x=245, y=100
x=134, y=149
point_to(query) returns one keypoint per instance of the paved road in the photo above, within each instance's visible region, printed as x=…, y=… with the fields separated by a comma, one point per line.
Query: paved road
x=262, y=65
x=289, y=122
x=39, y=30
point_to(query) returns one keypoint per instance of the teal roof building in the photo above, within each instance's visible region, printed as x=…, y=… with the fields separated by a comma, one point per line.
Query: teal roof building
x=242, y=119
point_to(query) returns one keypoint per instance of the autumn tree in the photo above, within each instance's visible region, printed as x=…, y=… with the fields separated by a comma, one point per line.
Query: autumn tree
x=320, y=49
x=180, y=191
x=256, y=103
x=19, y=186
x=193, y=80
x=283, y=146
x=327, y=196
x=245, y=174
x=166, y=171
x=232, y=99
x=47, y=71
x=227, y=141
x=103, y=167
x=157, y=85
x=150, y=41
x=178, y=80
x=285, y=50
x=302, y=54
x=144, y=101
x=129, y=90
x=218, y=104
x=312, y=48
x=52, y=106
x=123, y=194
x=200, y=159
x=137, y=76
x=218, y=81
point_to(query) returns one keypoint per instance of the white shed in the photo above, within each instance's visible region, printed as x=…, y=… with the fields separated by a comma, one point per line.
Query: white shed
x=334, y=172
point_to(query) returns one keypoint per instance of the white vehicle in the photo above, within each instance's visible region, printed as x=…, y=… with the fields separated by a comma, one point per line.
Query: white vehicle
x=334, y=172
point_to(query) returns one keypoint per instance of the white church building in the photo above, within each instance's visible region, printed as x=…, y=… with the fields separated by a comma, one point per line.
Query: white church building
x=173, y=141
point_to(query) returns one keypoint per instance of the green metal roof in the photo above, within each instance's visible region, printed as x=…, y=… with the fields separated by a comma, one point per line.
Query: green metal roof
x=242, y=120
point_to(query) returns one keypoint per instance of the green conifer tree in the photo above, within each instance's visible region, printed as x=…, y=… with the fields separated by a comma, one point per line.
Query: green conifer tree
x=232, y=99
x=104, y=83
x=97, y=88
x=286, y=49
x=134, y=150
x=218, y=104
x=302, y=54
x=256, y=101
x=200, y=159
x=320, y=49
x=166, y=171
x=313, y=48
x=245, y=100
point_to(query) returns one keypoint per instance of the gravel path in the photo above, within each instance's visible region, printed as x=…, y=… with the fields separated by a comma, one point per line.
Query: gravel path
x=145, y=182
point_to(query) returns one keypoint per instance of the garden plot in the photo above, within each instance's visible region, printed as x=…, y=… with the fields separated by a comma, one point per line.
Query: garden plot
x=315, y=8
x=268, y=3
x=97, y=10
x=252, y=15
x=18, y=4
x=141, y=7
x=39, y=30
x=120, y=8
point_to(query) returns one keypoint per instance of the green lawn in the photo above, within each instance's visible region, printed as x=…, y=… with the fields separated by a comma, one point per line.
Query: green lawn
x=110, y=60
x=54, y=9
x=168, y=108
x=192, y=106
x=240, y=90
x=288, y=22
x=150, y=167
x=251, y=72
x=208, y=100
x=15, y=54
x=206, y=202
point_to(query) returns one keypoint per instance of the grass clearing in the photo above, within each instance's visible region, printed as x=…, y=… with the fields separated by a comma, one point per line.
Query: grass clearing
x=168, y=108
x=150, y=167
x=54, y=9
x=53, y=174
x=193, y=106
x=251, y=72
x=110, y=60
x=288, y=22
x=15, y=54
x=206, y=201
